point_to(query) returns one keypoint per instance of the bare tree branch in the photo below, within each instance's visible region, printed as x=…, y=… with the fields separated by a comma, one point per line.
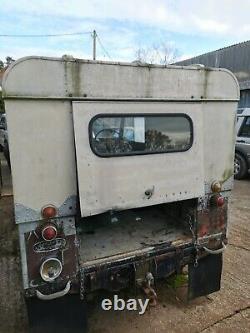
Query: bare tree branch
x=163, y=54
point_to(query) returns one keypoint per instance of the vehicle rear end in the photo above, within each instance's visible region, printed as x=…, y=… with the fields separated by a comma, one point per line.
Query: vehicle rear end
x=124, y=176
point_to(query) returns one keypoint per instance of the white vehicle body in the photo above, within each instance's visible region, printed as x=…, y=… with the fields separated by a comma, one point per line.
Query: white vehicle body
x=54, y=110
x=40, y=115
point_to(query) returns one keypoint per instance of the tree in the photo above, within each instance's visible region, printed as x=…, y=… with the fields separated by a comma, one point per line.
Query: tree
x=6, y=63
x=9, y=60
x=163, y=54
x=3, y=66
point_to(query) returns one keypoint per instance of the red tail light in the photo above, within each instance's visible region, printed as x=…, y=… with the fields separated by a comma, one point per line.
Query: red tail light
x=49, y=232
x=220, y=201
x=49, y=212
x=217, y=200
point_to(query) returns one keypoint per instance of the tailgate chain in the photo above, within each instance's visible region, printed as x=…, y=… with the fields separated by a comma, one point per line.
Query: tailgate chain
x=194, y=240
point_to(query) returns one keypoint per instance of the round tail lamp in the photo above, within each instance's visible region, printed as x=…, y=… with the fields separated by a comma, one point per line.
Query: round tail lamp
x=50, y=269
x=217, y=200
x=49, y=232
x=216, y=186
x=220, y=201
x=49, y=212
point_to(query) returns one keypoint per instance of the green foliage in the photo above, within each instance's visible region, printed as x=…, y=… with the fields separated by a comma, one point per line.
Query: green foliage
x=177, y=280
x=3, y=66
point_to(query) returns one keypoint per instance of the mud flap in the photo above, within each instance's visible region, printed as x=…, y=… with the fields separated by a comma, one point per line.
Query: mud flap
x=66, y=314
x=205, y=278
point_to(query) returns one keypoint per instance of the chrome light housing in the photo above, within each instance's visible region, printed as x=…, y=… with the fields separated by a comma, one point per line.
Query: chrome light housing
x=50, y=269
x=216, y=186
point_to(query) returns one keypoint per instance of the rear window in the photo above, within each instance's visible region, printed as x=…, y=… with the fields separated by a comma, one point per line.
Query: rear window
x=118, y=135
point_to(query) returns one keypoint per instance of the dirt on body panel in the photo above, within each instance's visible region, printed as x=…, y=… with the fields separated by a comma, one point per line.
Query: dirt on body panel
x=224, y=311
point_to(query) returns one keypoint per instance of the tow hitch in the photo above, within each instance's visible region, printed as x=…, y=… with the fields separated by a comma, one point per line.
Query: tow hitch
x=149, y=290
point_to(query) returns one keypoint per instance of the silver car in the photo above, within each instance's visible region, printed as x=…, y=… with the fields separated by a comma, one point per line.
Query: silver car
x=242, y=148
x=4, y=144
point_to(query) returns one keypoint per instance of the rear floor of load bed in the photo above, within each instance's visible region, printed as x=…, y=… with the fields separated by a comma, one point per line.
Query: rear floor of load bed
x=108, y=235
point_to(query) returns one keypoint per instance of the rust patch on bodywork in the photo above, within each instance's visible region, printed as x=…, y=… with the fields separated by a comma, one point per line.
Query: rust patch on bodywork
x=212, y=220
x=63, y=248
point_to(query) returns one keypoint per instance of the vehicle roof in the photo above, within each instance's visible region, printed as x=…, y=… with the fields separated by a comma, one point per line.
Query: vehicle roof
x=70, y=78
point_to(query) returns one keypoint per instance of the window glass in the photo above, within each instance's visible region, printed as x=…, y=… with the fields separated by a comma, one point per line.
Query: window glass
x=139, y=134
x=245, y=129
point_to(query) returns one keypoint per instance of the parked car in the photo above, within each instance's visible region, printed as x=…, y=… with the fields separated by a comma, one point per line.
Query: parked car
x=4, y=143
x=242, y=148
x=3, y=130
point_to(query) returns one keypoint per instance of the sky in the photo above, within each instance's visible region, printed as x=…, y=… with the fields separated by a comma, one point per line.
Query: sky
x=190, y=27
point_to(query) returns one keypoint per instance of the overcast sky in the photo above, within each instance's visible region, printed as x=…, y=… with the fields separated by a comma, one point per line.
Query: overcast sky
x=192, y=27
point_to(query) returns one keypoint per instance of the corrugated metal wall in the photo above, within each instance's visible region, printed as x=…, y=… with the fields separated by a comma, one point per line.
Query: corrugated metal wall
x=236, y=58
x=244, y=99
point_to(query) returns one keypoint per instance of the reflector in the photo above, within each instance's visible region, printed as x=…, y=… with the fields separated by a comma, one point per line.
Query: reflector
x=217, y=200
x=220, y=201
x=50, y=269
x=49, y=211
x=49, y=232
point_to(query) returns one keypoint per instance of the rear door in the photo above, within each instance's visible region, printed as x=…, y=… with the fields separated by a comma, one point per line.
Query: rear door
x=135, y=154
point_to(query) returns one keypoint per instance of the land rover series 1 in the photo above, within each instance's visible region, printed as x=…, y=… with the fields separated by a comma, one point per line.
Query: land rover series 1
x=121, y=176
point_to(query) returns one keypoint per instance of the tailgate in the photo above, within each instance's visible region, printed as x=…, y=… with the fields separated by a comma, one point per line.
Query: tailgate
x=136, y=154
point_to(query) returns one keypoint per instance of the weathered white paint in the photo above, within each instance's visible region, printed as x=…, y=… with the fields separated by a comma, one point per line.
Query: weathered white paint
x=38, y=94
x=219, y=120
x=53, y=77
x=42, y=152
x=120, y=182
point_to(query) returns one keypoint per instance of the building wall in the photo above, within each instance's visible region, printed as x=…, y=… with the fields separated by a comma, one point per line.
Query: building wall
x=235, y=58
x=244, y=98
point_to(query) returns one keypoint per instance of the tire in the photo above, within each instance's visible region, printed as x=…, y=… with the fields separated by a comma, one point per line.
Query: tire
x=65, y=315
x=240, y=167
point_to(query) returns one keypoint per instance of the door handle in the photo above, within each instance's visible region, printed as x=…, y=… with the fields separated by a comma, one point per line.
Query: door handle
x=241, y=141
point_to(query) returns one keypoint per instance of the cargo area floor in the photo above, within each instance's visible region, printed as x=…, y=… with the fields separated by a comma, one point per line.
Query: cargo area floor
x=108, y=235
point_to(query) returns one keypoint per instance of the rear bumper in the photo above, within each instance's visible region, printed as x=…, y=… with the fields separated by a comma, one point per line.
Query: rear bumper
x=161, y=262
x=131, y=270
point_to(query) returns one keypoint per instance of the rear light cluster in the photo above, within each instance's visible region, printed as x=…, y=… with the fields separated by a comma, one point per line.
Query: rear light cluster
x=49, y=232
x=50, y=268
x=217, y=200
x=48, y=212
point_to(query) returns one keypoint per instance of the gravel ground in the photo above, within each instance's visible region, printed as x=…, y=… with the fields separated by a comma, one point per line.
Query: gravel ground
x=225, y=311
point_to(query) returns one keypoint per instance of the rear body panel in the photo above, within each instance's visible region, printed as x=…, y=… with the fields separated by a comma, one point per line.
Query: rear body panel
x=53, y=163
x=39, y=116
